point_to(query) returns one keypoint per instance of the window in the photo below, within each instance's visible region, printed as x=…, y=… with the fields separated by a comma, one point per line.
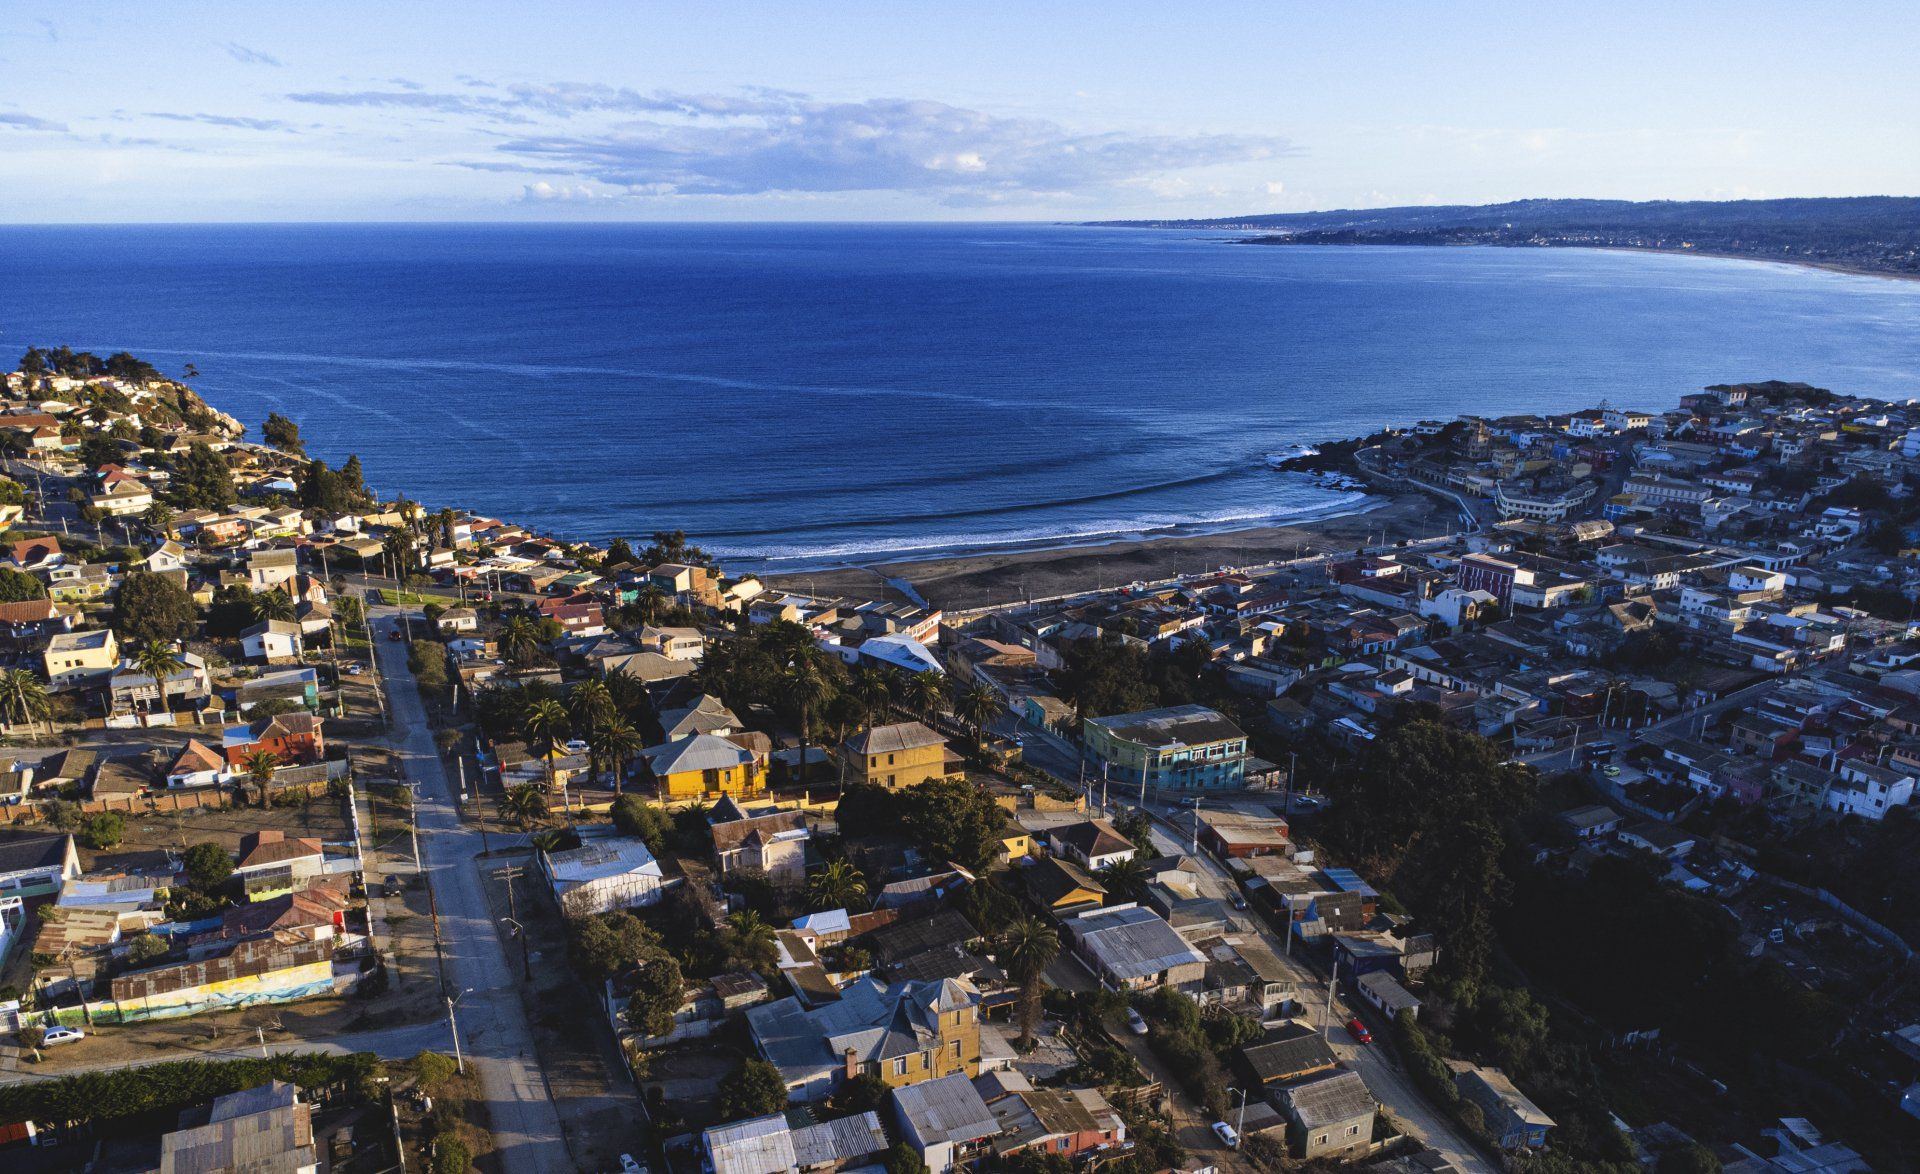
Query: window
x=955, y=1045
x=900, y=1066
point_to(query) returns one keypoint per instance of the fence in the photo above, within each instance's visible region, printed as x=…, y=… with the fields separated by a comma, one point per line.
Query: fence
x=1848, y=913
x=34, y=810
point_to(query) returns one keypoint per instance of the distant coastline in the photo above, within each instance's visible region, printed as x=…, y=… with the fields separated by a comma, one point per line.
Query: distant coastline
x=1796, y=262
x=1875, y=236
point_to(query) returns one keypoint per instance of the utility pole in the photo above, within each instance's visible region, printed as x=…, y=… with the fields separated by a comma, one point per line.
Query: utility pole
x=510, y=874
x=1193, y=847
x=1326, y=1017
x=413, y=822
x=453, y=1025
x=1240, y=1124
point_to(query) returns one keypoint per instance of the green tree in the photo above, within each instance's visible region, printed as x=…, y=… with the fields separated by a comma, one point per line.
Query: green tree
x=524, y=805
x=203, y=480
x=924, y=693
x=282, y=434
x=748, y=941
x=545, y=727
x=658, y=991
x=208, y=866
x=427, y=659
x=839, y=885
x=260, y=767
x=1026, y=949
x=1692, y=1158
x=23, y=699
x=1125, y=880
x=615, y=743
x=433, y=1069
x=977, y=705
x=157, y=660
x=520, y=642
x=634, y=816
x=103, y=830
x=450, y=1154
x=18, y=586
x=604, y=944
x=902, y=1158
x=271, y=605
x=153, y=609
x=806, y=688
x=756, y=1090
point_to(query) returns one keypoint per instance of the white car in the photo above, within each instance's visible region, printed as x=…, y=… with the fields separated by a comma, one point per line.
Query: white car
x=629, y=1166
x=62, y=1035
x=1227, y=1136
x=1135, y=1023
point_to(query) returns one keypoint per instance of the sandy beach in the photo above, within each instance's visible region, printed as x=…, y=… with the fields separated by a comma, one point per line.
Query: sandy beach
x=982, y=580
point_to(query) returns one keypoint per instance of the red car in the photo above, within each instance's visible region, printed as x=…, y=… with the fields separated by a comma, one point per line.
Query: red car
x=1359, y=1032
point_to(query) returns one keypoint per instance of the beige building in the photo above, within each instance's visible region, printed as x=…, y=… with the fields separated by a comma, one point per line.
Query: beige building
x=72, y=658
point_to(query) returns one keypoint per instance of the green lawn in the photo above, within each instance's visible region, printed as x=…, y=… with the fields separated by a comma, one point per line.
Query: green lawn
x=417, y=598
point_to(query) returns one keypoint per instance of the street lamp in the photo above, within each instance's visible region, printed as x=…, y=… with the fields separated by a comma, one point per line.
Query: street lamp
x=453, y=1026
x=1240, y=1123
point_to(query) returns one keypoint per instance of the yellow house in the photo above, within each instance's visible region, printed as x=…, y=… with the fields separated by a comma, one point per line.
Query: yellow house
x=1061, y=886
x=1013, y=848
x=706, y=767
x=904, y=754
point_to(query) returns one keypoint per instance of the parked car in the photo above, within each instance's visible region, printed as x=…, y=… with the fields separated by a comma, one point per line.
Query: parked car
x=1358, y=1031
x=1239, y=902
x=352, y=670
x=1135, y=1023
x=1227, y=1136
x=62, y=1035
x=629, y=1166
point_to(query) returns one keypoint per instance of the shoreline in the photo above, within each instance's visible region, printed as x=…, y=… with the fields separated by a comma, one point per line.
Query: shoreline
x=965, y=582
x=1790, y=262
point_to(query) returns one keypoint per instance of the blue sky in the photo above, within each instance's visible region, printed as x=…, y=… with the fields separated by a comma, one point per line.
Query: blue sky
x=794, y=110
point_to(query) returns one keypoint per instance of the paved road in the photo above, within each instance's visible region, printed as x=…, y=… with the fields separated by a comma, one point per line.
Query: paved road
x=494, y=1030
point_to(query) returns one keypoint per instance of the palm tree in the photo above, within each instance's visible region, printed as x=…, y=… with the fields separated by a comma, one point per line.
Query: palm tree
x=806, y=687
x=876, y=690
x=837, y=886
x=752, y=938
x=158, y=660
x=976, y=706
x=650, y=599
x=271, y=605
x=629, y=692
x=525, y=805
x=926, y=691
x=23, y=698
x=616, y=743
x=260, y=767
x=1027, y=948
x=1125, y=879
x=591, y=705
x=544, y=726
x=520, y=641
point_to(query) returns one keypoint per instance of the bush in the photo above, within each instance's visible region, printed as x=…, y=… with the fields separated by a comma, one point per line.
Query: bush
x=450, y=1155
x=103, y=830
x=433, y=1069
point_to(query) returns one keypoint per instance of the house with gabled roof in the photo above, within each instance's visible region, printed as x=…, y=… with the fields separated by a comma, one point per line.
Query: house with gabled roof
x=774, y=842
x=904, y=1033
x=705, y=767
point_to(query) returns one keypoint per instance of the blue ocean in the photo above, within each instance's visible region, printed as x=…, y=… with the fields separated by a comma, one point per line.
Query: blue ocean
x=800, y=396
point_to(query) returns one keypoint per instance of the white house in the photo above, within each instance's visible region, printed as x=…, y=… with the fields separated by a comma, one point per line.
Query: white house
x=604, y=874
x=271, y=641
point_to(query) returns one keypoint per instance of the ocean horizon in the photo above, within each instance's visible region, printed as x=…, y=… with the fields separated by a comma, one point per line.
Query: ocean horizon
x=804, y=396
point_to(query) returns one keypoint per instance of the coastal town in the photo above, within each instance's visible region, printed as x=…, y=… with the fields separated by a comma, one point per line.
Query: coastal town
x=1576, y=833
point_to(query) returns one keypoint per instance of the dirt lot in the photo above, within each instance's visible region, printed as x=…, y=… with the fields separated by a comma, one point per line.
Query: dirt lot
x=149, y=837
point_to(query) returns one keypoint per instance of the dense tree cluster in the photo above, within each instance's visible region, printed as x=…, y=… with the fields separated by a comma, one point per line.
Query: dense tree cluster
x=333, y=490
x=282, y=434
x=949, y=819
x=202, y=480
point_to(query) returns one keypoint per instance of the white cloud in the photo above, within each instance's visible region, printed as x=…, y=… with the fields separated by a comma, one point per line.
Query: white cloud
x=763, y=141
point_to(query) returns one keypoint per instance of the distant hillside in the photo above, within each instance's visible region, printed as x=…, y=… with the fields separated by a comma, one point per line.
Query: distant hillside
x=1872, y=234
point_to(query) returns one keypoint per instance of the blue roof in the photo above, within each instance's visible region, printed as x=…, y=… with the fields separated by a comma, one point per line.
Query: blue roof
x=1348, y=881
